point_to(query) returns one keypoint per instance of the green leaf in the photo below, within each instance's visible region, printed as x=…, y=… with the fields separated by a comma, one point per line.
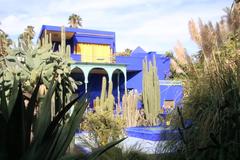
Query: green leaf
x=47, y=146
x=58, y=101
x=16, y=129
x=64, y=92
x=45, y=112
x=69, y=129
x=3, y=123
x=3, y=107
x=3, y=137
x=30, y=111
x=13, y=96
x=60, y=116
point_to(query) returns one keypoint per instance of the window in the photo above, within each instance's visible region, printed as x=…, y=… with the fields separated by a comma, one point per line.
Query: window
x=94, y=52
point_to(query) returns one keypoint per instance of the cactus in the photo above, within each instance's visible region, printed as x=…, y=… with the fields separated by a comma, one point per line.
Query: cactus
x=96, y=103
x=32, y=59
x=103, y=124
x=110, y=98
x=103, y=93
x=130, y=111
x=106, y=100
x=26, y=61
x=151, y=92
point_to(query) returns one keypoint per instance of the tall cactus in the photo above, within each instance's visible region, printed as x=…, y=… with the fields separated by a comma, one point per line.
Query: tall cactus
x=106, y=100
x=103, y=94
x=151, y=92
x=129, y=106
x=110, y=97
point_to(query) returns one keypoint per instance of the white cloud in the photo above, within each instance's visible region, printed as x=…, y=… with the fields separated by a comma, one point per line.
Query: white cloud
x=152, y=24
x=9, y=24
x=15, y=24
x=161, y=31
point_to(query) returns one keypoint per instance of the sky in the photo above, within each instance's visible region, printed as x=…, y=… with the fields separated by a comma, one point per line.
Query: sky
x=155, y=25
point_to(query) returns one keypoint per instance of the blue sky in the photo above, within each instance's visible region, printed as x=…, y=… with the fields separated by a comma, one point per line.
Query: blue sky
x=155, y=25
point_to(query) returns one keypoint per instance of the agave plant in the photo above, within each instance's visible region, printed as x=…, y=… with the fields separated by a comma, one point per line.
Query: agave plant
x=51, y=137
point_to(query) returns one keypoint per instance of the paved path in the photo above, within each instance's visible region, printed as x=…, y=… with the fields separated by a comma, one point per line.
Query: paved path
x=145, y=146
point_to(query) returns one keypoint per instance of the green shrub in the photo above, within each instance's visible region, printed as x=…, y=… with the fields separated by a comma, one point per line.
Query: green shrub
x=103, y=125
x=51, y=137
x=212, y=96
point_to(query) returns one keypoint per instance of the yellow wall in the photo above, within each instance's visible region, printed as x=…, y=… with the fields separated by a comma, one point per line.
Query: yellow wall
x=94, y=52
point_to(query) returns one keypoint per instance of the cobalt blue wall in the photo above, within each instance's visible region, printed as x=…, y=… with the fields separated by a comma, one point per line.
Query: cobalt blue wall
x=134, y=80
x=163, y=64
x=76, y=57
x=79, y=77
x=115, y=87
x=133, y=63
x=135, y=75
x=70, y=42
x=134, y=66
x=95, y=85
x=168, y=92
x=85, y=35
x=171, y=92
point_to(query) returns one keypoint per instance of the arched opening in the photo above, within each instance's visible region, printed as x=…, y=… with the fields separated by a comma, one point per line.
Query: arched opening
x=118, y=80
x=95, y=82
x=78, y=75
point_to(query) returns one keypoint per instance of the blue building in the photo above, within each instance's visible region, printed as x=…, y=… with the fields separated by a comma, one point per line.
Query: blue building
x=94, y=54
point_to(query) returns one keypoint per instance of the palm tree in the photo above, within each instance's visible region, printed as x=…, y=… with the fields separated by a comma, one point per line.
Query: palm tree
x=75, y=21
x=128, y=51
